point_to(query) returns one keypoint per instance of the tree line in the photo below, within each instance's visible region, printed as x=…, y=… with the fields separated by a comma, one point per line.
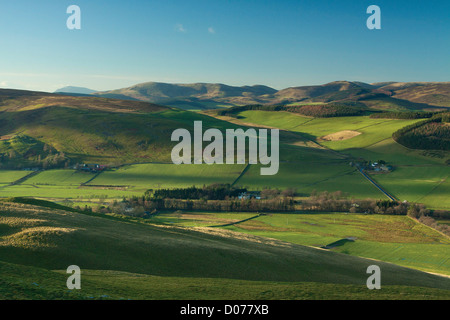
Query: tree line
x=318, y=111
x=402, y=115
x=143, y=207
x=212, y=192
x=274, y=200
x=339, y=202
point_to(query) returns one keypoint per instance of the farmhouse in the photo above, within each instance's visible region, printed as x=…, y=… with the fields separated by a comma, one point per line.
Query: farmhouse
x=376, y=166
x=90, y=167
x=250, y=195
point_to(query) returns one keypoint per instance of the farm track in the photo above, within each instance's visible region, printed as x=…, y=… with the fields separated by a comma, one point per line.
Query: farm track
x=377, y=185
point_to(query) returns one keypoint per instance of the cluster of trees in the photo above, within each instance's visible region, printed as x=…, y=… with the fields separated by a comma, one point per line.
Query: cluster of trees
x=13, y=160
x=218, y=197
x=327, y=110
x=319, y=111
x=142, y=207
x=233, y=111
x=429, y=221
x=427, y=217
x=212, y=192
x=445, y=117
x=57, y=160
x=338, y=202
x=23, y=151
x=417, y=211
x=430, y=134
x=402, y=115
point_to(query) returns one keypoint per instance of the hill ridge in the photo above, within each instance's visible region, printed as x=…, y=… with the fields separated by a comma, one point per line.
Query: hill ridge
x=202, y=95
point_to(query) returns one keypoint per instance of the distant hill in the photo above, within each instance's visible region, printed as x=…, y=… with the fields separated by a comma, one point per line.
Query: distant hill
x=316, y=92
x=437, y=94
x=197, y=95
x=80, y=90
x=394, y=96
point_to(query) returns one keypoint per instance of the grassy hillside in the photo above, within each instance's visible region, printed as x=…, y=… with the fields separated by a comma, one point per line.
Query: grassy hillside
x=23, y=282
x=53, y=239
x=63, y=130
x=397, y=239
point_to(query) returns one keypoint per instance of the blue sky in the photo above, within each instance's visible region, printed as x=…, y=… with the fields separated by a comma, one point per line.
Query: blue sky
x=276, y=43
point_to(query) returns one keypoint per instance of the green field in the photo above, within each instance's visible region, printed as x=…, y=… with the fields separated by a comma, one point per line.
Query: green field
x=59, y=177
x=117, y=183
x=423, y=184
x=373, y=130
x=375, y=137
x=64, y=192
x=306, y=177
x=154, y=176
x=8, y=176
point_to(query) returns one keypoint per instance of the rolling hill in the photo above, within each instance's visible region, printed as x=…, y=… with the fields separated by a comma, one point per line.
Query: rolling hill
x=384, y=96
x=197, y=94
x=50, y=239
x=437, y=94
x=115, y=253
x=87, y=129
x=72, y=89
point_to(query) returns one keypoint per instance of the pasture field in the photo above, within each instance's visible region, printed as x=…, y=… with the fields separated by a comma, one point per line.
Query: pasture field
x=155, y=176
x=55, y=192
x=423, y=184
x=125, y=259
x=396, y=239
x=373, y=130
x=373, y=143
x=59, y=177
x=439, y=196
x=118, y=183
x=392, y=152
x=8, y=176
x=306, y=177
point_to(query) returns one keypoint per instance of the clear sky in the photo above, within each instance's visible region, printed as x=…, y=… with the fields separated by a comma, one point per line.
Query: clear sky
x=280, y=43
